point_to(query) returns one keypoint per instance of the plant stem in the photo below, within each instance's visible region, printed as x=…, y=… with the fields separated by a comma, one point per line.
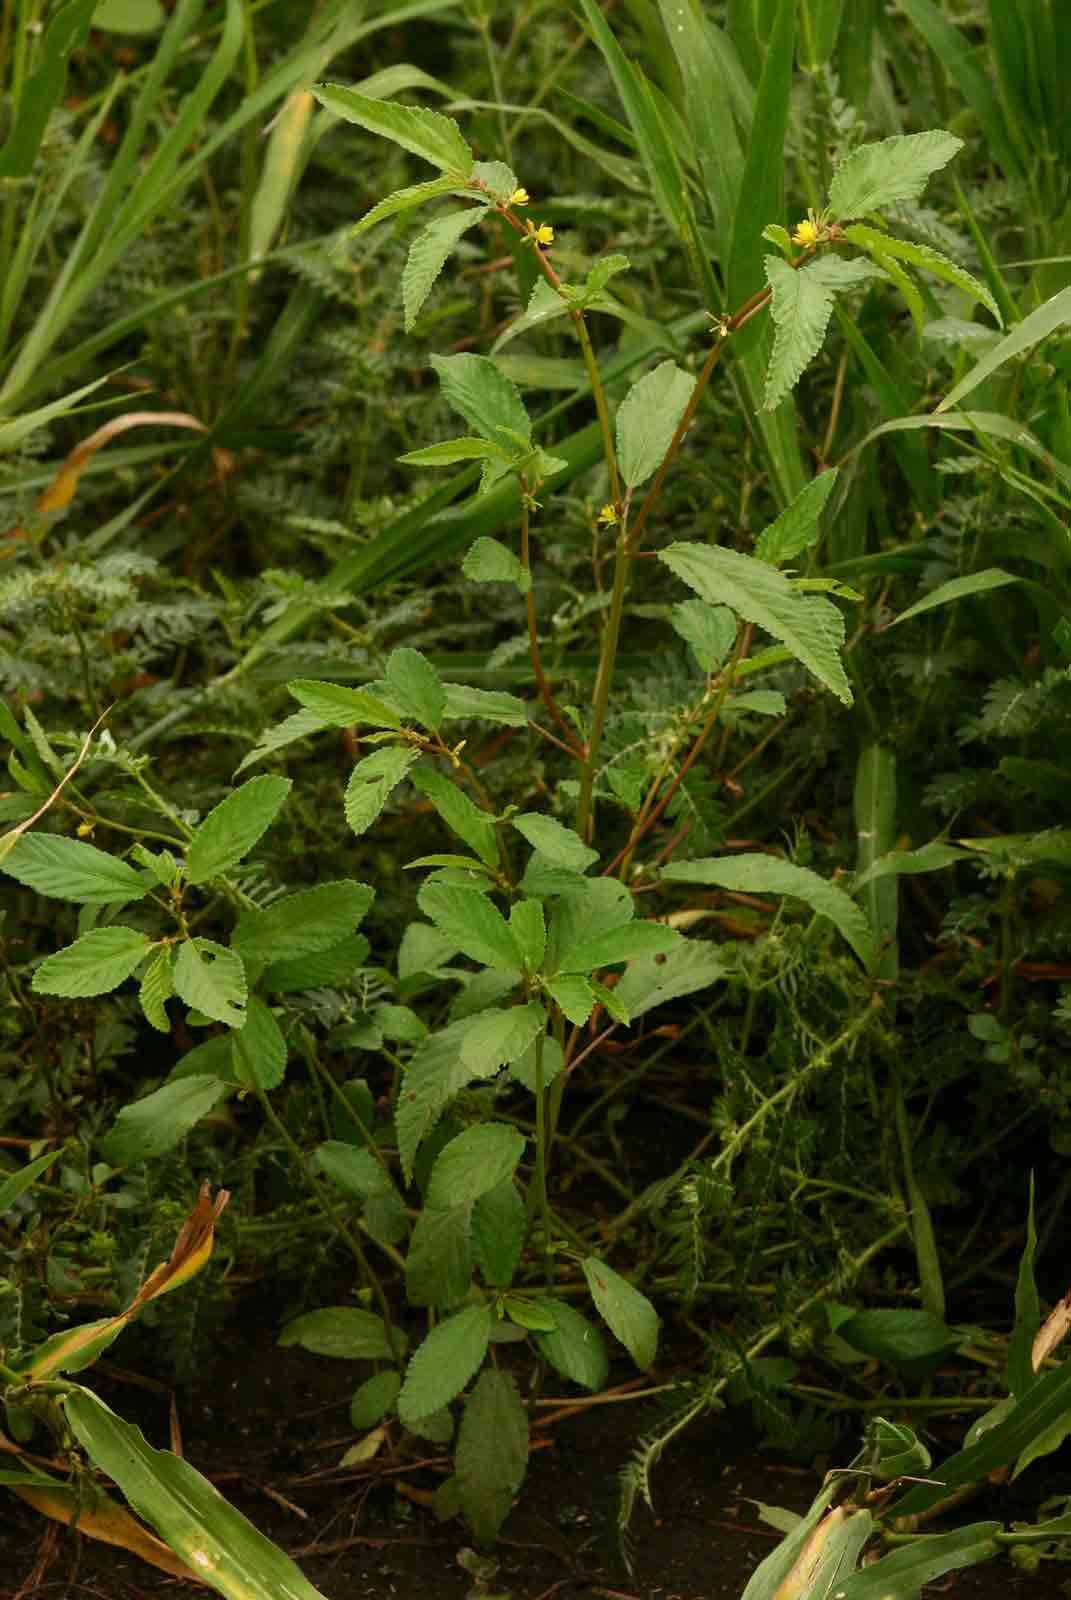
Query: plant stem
x=534, y=653
x=541, y=1165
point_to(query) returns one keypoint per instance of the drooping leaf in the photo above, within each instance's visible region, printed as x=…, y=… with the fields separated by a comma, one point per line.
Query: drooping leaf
x=96, y=963
x=258, y=1048
x=529, y=927
x=155, y=988
x=232, y=828
x=372, y=782
x=429, y=253
x=576, y=1348
x=647, y=420
x=442, y=1365
x=801, y=307
x=887, y=249
x=651, y=981
x=149, y=1127
x=343, y=1331
x=629, y=1314
x=438, y=1266
x=499, y=1227
x=489, y=561
x=428, y=134
x=68, y=869
x=888, y=173
x=810, y=626
x=433, y=1077
x=303, y=923
x=762, y=874
x=492, y=1452
x=475, y=827
x=710, y=630
x=575, y=997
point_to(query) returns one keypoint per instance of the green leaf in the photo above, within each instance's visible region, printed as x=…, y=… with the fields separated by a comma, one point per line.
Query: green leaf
x=1021, y=1374
x=429, y=253
x=647, y=420
x=449, y=451
x=149, y=1127
x=958, y=589
x=484, y=705
x=906, y=1571
x=629, y=1314
x=416, y=686
x=434, y=1075
x=330, y=968
x=491, y=1455
x=444, y=1363
x=898, y=1336
x=352, y=1168
x=438, y=1267
x=888, y=173
x=416, y=194
x=67, y=29
x=796, y=529
x=258, y=1049
x=18, y=1182
x=428, y=134
x=883, y=246
x=575, y=996
x=499, y=1226
x=477, y=928
x=710, y=630
x=530, y=931
x=372, y=782
x=473, y=1163
x=874, y=804
x=343, y=1331
x=497, y=1038
x=801, y=307
x=762, y=874
x=96, y=963
x=488, y=561
x=187, y=1511
x=67, y=869
x=129, y=16
x=211, y=978
x=157, y=987
x=561, y=846
x=809, y=626
x=340, y=707
x=484, y=396
x=619, y=944
x=1054, y=314
x=651, y=981
x=232, y=828
x=303, y=923
x=475, y=827
x=576, y=1348
x=374, y=1398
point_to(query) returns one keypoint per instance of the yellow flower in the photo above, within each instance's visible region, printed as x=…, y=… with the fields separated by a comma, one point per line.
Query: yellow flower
x=806, y=233
x=519, y=197
x=607, y=517
x=544, y=234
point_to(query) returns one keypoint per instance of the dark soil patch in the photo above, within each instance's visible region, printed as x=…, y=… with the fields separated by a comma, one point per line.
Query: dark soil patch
x=269, y=1426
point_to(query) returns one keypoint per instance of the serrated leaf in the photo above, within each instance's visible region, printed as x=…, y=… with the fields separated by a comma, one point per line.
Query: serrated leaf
x=597, y=906
x=809, y=626
x=429, y=253
x=491, y=1456
x=428, y=134
x=301, y=725
x=497, y=1038
x=475, y=827
x=530, y=930
x=96, y=963
x=449, y=451
x=303, y=923
x=374, y=1398
x=545, y=305
x=258, y=1049
x=417, y=194
x=629, y=1314
x=484, y=705
x=473, y=1163
x=68, y=869
x=710, y=630
x=442, y=1366
x=477, y=928
x=647, y=420
x=371, y=783
x=324, y=969
x=575, y=996
x=343, y=1331
x=619, y=944
x=416, y=686
x=801, y=307
x=484, y=396
x=232, y=828
x=488, y=561
x=149, y=1127
x=561, y=846
x=499, y=1226
x=211, y=978
x=523, y=1070
x=796, y=529
x=438, y=1266
x=576, y=1348
x=338, y=706
x=887, y=173
x=433, y=1077
x=762, y=874
x=156, y=987
x=925, y=258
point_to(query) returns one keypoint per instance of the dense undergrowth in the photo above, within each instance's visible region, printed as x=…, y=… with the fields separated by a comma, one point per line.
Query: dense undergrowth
x=622, y=885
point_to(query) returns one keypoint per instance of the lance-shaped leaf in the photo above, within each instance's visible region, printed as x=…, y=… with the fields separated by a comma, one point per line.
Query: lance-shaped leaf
x=801, y=308
x=98, y=1516
x=372, y=782
x=890, y=172
x=68, y=869
x=429, y=253
x=428, y=134
x=882, y=246
x=647, y=420
x=809, y=626
x=96, y=963
x=151, y=1126
x=796, y=529
x=630, y=1315
x=418, y=194
x=1054, y=314
x=233, y=827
